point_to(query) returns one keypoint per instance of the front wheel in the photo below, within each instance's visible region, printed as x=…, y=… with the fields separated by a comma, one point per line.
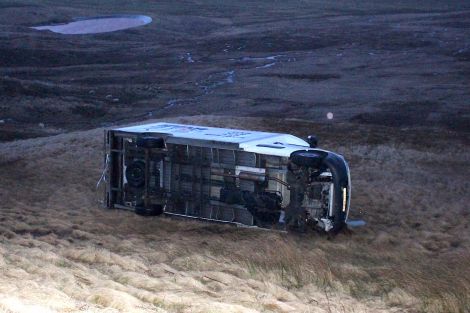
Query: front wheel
x=307, y=158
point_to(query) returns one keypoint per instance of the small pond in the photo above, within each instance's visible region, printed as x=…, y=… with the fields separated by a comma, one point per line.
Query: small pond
x=96, y=25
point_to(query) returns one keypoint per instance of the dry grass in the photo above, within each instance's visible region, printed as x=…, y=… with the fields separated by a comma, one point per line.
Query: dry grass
x=61, y=252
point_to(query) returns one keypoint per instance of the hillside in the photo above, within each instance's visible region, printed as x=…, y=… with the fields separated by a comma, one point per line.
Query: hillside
x=61, y=251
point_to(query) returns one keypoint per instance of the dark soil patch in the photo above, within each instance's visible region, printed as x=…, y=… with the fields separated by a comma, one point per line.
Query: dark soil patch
x=398, y=114
x=89, y=110
x=414, y=114
x=270, y=43
x=463, y=55
x=271, y=101
x=456, y=24
x=308, y=77
x=11, y=132
x=8, y=5
x=54, y=57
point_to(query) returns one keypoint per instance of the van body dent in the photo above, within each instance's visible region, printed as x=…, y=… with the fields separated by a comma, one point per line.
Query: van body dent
x=243, y=177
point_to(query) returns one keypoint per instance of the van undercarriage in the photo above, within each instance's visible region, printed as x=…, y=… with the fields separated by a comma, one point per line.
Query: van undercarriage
x=156, y=173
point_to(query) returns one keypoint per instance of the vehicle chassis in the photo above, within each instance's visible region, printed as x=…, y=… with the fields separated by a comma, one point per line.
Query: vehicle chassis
x=155, y=173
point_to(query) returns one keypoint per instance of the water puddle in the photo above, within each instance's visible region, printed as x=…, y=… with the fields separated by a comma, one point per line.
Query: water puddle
x=267, y=65
x=216, y=80
x=97, y=25
x=207, y=87
x=268, y=61
x=269, y=58
x=187, y=57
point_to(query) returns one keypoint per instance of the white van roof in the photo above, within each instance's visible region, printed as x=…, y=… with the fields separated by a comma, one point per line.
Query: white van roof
x=246, y=140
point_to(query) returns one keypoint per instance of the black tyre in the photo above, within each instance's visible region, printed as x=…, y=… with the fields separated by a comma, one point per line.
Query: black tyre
x=155, y=210
x=339, y=224
x=150, y=142
x=307, y=158
x=340, y=175
x=135, y=174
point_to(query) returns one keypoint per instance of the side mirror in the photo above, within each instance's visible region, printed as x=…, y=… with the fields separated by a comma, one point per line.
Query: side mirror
x=312, y=141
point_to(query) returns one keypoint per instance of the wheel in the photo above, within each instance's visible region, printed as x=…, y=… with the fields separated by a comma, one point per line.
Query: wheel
x=135, y=174
x=307, y=158
x=150, y=142
x=155, y=210
x=339, y=224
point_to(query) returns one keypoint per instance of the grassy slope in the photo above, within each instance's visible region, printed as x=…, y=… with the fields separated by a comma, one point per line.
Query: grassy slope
x=61, y=251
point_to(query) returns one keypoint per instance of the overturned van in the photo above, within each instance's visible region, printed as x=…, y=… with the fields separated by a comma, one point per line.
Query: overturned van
x=243, y=177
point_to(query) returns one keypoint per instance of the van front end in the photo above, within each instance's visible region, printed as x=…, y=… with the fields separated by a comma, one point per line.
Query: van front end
x=320, y=184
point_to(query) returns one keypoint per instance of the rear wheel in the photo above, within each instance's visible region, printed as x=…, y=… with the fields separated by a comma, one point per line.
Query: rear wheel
x=135, y=174
x=155, y=209
x=150, y=142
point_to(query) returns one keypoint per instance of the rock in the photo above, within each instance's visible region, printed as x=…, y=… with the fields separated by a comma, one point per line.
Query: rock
x=41, y=125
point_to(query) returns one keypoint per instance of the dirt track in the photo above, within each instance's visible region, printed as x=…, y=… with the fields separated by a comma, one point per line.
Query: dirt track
x=395, y=75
